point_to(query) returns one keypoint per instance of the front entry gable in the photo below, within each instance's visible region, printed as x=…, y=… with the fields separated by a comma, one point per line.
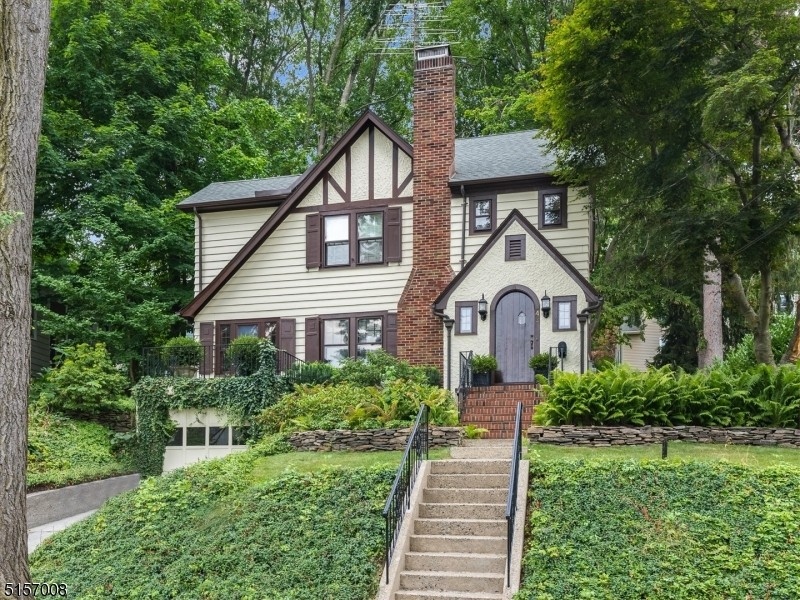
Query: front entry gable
x=540, y=261
x=370, y=163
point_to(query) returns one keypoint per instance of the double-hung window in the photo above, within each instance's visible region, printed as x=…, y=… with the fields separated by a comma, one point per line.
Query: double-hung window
x=552, y=208
x=565, y=313
x=357, y=236
x=482, y=215
x=348, y=337
x=466, y=318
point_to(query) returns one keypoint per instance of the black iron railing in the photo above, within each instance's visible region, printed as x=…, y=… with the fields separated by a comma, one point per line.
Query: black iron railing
x=399, y=498
x=212, y=360
x=513, y=479
x=464, y=379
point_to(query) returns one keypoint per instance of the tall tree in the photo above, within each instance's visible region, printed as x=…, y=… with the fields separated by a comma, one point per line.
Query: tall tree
x=682, y=109
x=24, y=30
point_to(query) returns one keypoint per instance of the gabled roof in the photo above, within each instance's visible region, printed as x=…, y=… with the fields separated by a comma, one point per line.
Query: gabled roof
x=515, y=216
x=242, y=190
x=505, y=156
x=308, y=180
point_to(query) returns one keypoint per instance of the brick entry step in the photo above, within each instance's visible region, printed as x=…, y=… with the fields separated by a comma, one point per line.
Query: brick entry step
x=494, y=408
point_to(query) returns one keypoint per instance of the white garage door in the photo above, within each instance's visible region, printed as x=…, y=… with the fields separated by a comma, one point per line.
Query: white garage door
x=200, y=435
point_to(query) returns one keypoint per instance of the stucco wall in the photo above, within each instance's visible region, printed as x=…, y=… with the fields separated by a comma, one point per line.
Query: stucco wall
x=493, y=273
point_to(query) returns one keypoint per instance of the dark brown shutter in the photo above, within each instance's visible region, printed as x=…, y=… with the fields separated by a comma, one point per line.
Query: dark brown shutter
x=390, y=335
x=287, y=340
x=394, y=218
x=312, y=242
x=312, y=339
x=207, y=341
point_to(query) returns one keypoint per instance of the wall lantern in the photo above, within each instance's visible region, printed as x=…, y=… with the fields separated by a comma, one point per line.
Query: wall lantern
x=483, y=308
x=546, y=305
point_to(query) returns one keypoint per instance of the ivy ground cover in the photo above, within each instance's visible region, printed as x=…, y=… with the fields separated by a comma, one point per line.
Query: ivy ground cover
x=219, y=530
x=661, y=530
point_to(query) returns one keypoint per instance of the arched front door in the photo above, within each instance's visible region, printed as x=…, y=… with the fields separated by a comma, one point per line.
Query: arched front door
x=515, y=336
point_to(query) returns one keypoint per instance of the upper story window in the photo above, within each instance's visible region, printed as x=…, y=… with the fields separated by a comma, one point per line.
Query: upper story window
x=365, y=237
x=482, y=214
x=552, y=208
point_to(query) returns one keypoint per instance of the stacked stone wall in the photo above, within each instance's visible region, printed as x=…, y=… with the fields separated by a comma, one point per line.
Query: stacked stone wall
x=370, y=440
x=570, y=435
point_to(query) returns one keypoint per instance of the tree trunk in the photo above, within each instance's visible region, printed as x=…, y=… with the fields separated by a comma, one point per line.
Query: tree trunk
x=757, y=321
x=24, y=29
x=713, y=348
x=792, y=354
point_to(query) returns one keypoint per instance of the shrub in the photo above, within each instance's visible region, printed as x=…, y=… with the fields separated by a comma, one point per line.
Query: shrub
x=762, y=396
x=379, y=367
x=742, y=356
x=313, y=373
x=483, y=363
x=540, y=362
x=85, y=381
x=242, y=355
x=182, y=351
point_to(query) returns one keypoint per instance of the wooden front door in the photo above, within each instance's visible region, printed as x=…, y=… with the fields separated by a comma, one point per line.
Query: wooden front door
x=514, y=341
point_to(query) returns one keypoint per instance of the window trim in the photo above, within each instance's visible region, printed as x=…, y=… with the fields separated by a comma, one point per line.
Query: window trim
x=508, y=239
x=352, y=342
x=564, y=212
x=473, y=304
x=492, y=214
x=352, y=229
x=573, y=312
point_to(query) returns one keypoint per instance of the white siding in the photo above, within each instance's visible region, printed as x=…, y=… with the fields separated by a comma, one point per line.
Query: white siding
x=643, y=347
x=224, y=233
x=572, y=241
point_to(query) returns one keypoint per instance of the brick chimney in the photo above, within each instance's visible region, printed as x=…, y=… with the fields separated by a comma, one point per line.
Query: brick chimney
x=419, y=331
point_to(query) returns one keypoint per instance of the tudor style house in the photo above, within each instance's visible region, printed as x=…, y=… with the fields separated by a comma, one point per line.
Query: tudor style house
x=431, y=251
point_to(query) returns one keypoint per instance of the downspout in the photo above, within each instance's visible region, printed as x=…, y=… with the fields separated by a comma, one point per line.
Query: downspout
x=448, y=323
x=583, y=316
x=199, y=251
x=463, y=228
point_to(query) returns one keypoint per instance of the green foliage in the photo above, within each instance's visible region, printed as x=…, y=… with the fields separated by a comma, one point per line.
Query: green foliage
x=742, y=356
x=379, y=367
x=541, y=362
x=625, y=530
x=183, y=351
x=242, y=354
x=84, y=381
x=350, y=406
x=762, y=396
x=313, y=373
x=483, y=363
x=240, y=398
x=473, y=432
x=64, y=451
x=207, y=532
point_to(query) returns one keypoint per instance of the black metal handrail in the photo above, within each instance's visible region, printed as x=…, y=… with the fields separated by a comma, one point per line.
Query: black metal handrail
x=399, y=498
x=513, y=480
x=464, y=379
x=212, y=360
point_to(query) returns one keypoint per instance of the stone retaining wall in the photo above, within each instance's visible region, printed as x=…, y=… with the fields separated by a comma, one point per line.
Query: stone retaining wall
x=570, y=435
x=370, y=439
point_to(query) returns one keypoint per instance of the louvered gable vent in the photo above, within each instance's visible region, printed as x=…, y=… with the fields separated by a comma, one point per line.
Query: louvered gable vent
x=515, y=247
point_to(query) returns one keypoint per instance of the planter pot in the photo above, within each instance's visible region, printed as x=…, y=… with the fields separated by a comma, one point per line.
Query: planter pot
x=185, y=371
x=481, y=379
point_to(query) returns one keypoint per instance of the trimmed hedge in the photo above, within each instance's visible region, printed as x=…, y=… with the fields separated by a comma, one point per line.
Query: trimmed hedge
x=760, y=396
x=625, y=530
x=207, y=532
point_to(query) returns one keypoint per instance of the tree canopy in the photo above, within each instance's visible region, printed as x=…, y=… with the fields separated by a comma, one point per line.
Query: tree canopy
x=679, y=116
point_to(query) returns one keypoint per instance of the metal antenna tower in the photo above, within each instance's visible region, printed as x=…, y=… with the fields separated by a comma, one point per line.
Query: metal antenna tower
x=409, y=25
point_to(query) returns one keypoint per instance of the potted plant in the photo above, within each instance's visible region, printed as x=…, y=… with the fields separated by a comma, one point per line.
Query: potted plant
x=183, y=356
x=542, y=363
x=242, y=355
x=483, y=366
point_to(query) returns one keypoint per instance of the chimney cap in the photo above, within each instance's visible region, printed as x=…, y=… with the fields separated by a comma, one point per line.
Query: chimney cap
x=432, y=52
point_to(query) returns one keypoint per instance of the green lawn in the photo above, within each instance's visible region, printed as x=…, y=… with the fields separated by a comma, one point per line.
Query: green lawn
x=269, y=467
x=749, y=456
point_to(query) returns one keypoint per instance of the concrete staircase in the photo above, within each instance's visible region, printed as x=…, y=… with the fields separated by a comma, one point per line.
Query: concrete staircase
x=457, y=549
x=494, y=408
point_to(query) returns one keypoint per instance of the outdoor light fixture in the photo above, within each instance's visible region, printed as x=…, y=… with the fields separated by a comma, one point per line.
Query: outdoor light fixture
x=546, y=305
x=483, y=308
